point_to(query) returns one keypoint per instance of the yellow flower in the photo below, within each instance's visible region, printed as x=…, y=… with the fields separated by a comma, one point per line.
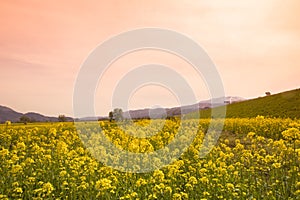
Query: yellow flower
x=193, y=180
x=103, y=184
x=4, y=152
x=176, y=196
x=31, y=179
x=28, y=161
x=21, y=146
x=168, y=190
x=52, y=132
x=206, y=193
x=250, y=134
x=141, y=182
x=226, y=141
x=15, y=184
x=203, y=170
x=276, y=165
x=14, y=158
x=158, y=175
x=229, y=186
x=152, y=196
x=63, y=173
x=204, y=179
x=298, y=184
x=16, y=169
x=18, y=190
x=184, y=195
x=188, y=186
x=65, y=183
x=291, y=134
x=159, y=188
x=48, y=188
x=239, y=147
x=230, y=167
x=3, y=197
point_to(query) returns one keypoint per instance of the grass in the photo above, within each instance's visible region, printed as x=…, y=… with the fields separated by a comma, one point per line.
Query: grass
x=282, y=105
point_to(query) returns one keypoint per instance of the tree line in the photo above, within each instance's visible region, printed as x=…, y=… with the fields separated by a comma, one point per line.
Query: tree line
x=116, y=114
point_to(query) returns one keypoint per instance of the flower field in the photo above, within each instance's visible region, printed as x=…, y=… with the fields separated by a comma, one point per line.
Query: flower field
x=257, y=158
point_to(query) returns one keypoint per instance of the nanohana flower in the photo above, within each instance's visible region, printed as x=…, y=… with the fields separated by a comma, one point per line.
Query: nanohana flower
x=291, y=134
x=50, y=161
x=48, y=188
x=103, y=184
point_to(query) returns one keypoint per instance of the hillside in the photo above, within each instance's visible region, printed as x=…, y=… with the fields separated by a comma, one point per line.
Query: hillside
x=160, y=112
x=282, y=105
x=13, y=116
x=9, y=114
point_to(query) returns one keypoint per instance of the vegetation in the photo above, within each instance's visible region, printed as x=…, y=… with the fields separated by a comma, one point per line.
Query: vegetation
x=111, y=116
x=24, y=119
x=282, y=105
x=255, y=158
x=116, y=114
x=62, y=118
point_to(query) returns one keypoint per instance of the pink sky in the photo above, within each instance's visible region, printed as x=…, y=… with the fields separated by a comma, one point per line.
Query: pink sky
x=254, y=44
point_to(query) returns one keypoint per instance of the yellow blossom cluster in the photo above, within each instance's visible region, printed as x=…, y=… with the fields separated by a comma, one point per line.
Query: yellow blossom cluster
x=257, y=158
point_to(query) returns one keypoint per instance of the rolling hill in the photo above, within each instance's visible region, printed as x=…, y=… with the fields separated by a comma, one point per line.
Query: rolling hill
x=13, y=116
x=175, y=111
x=281, y=105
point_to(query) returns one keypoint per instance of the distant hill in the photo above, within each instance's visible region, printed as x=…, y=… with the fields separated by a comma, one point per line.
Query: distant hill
x=13, y=116
x=169, y=112
x=283, y=105
x=9, y=114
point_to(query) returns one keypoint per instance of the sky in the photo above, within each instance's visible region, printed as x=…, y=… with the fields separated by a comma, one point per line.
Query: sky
x=254, y=44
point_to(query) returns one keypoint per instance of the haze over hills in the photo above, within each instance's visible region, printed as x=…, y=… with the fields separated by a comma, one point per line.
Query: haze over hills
x=285, y=104
x=155, y=113
x=13, y=116
x=163, y=112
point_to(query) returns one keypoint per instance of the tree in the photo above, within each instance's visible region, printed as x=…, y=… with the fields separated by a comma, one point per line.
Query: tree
x=116, y=114
x=62, y=118
x=24, y=119
x=111, y=116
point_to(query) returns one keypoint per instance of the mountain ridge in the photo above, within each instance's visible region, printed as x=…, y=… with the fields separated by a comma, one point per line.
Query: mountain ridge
x=284, y=104
x=8, y=114
x=174, y=111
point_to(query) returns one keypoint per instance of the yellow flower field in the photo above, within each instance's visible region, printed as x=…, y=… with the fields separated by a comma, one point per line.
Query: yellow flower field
x=257, y=158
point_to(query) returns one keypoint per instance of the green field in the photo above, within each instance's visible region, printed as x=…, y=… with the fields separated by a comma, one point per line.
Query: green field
x=255, y=158
x=282, y=105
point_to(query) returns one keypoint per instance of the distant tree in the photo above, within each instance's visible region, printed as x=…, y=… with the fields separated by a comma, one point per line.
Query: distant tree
x=62, y=118
x=111, y=116
x=24, y=119
x=118, y=114
x=268, y=93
